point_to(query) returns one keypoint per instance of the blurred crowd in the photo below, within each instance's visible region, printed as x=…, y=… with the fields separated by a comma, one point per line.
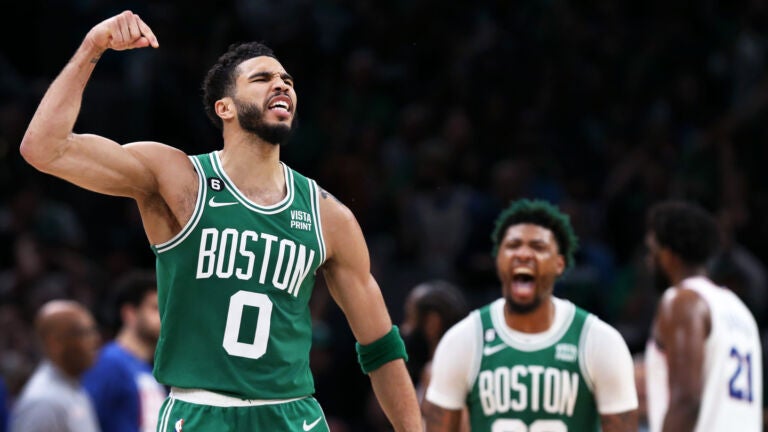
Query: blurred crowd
x=425, y=118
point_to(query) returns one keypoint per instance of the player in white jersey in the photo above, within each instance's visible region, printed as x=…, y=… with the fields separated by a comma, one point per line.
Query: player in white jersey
x=704, y=358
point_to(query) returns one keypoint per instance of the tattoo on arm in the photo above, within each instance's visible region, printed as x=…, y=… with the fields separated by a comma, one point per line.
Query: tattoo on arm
x=325, y=194
x=622, y=422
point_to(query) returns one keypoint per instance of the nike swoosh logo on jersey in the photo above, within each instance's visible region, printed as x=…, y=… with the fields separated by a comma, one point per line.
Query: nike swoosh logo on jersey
x=491, y=350
x=307, y=427
x=213, y=203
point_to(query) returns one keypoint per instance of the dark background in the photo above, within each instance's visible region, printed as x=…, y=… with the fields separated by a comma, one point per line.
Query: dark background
x=425, y=118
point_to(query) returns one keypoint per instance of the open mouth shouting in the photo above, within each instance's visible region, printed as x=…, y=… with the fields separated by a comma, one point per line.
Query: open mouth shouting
x=281, y=106
x=523, y=284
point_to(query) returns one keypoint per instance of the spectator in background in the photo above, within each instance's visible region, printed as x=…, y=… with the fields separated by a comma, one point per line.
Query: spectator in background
x=126, y=395
x=703, y=362
x=431, y=308
x=53, y=400
x=515, y=362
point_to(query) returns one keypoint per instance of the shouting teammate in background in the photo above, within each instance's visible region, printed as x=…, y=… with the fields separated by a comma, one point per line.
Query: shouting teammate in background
x=530, y=361
x=239, y=237
x=704, y=359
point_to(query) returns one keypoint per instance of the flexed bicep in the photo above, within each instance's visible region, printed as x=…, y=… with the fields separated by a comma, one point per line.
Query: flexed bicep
x=102, y=165
x=90, y=161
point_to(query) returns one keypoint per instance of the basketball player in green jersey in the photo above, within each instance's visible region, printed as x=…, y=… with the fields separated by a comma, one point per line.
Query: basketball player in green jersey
x=531, y=362
x=238, y=238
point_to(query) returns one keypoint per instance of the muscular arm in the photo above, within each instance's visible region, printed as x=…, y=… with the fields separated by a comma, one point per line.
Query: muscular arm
x=348, y=276
x=682, y=328
x=90, y=161
x=87, y=160
x=157, y=176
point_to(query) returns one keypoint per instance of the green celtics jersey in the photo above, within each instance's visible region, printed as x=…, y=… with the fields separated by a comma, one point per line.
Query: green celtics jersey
x=234, y=287
x=537, y=387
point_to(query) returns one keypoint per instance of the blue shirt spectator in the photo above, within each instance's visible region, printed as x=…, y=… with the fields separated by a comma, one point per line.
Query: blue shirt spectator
x=126, y=395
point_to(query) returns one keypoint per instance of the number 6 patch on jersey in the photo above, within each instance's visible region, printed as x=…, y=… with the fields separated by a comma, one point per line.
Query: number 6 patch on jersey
x=215, y=183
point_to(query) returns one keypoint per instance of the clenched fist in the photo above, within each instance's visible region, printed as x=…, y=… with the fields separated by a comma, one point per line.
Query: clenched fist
x=122, y=32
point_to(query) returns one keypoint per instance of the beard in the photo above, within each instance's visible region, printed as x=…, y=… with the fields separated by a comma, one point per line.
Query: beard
x=523, y=308
x=251, y=118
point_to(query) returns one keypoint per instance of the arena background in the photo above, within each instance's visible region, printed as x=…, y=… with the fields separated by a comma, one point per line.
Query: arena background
x=425, y=118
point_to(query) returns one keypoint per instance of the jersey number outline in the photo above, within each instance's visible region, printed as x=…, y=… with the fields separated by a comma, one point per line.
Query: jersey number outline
x=516, y=425
x=736, y=386
x=237, y=304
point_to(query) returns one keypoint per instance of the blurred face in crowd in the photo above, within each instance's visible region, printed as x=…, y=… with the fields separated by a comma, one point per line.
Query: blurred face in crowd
x=265, y=99
x=71, y=337
x=528, y=263
x=84, y=340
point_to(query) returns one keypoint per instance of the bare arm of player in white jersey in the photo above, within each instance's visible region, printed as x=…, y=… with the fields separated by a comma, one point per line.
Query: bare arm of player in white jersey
x=681, y=329
x=348, y=277
x=155, y=175
x=454, y=364
x=611, y=370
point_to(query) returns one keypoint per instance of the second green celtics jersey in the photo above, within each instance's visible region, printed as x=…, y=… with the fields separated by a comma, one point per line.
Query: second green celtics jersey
x=234, y=287
x=532, y=387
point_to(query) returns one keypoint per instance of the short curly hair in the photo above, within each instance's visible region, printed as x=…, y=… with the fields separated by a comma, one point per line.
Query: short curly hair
x=686, y=229
x=220, y=79
x=543, y=214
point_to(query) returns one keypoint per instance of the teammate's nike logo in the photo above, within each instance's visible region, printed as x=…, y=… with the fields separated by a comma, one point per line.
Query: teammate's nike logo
x=311, y=425
x=213, y=203
x=491, y=350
